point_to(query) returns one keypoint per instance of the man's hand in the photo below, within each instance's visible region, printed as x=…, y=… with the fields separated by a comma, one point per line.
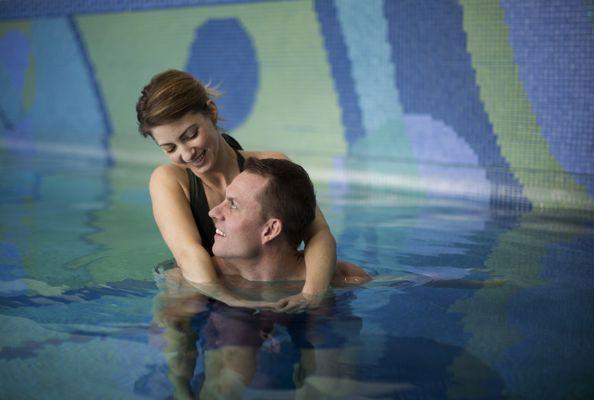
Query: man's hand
x=299, y=302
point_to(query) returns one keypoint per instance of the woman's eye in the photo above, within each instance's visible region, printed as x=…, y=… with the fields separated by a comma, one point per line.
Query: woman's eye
x=232, y=205
x=192, y=134
x=170, y=150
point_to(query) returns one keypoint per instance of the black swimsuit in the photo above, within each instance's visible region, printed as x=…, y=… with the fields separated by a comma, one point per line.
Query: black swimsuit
x=199, y=203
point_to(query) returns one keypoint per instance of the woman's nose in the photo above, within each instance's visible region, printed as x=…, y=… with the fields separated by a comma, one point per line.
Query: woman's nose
x=187, y=153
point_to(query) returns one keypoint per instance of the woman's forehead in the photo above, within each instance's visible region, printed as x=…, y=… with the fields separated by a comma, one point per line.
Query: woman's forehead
x=177, y=127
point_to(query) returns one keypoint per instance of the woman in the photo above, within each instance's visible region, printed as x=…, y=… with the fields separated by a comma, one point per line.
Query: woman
x=178, y=113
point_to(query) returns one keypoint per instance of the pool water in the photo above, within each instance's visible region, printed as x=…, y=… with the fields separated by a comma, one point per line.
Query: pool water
x=469, y=301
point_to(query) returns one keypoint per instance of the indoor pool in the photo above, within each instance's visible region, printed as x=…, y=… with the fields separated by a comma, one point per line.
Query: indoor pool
x=469, y=301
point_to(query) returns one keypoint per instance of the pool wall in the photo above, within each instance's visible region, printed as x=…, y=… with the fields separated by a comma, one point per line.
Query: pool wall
x=486, y=99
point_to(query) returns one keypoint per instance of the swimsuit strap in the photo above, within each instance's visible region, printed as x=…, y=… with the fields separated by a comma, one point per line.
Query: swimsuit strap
x=199, y=203
x=236, y=147
x=199, y=206
x=240, y=160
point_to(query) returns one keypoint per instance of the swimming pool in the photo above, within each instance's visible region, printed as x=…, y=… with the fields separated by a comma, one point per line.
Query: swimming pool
x=470, y=301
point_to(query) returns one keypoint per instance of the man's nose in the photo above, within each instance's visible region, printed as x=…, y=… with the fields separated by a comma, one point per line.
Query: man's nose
x=215, y=213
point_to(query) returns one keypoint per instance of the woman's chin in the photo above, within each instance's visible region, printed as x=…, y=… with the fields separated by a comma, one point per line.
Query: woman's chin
x=202, y=166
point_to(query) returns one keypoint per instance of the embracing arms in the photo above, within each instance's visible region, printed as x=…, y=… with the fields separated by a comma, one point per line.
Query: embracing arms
x=174, y=218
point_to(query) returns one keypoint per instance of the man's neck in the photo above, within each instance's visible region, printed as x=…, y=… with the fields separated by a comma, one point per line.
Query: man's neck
x=278, y=263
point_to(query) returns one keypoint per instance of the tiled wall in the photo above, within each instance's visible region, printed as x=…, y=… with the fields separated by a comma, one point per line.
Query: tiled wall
x=475, y=97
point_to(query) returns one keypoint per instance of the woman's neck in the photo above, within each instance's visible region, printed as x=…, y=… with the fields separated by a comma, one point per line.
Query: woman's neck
x=224, y=170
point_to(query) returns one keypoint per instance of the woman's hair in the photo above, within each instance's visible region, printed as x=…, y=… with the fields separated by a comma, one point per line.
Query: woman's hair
x=169, y=96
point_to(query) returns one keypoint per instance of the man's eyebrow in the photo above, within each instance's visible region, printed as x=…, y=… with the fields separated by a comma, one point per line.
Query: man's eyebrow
x=185, y=132
x=231, y=199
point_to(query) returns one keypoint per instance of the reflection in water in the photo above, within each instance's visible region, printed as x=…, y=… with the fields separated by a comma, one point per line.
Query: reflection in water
x=312, y=354
x=216, y=351
x=496, y=319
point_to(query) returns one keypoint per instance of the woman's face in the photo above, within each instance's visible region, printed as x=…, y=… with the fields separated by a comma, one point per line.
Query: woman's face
x=190, y=142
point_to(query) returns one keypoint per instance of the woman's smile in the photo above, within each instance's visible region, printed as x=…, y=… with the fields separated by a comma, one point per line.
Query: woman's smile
x=199, y=159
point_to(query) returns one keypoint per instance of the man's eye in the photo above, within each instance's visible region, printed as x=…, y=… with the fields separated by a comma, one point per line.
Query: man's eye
x=232, y=204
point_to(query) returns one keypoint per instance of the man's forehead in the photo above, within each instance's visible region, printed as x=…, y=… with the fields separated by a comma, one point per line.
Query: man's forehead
x=246, y=184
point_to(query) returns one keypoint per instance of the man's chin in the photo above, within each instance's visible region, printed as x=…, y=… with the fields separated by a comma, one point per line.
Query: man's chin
x=216, y=251
x=219, y=251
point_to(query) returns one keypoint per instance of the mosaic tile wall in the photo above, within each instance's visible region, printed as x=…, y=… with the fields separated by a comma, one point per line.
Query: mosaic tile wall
x=482, y=97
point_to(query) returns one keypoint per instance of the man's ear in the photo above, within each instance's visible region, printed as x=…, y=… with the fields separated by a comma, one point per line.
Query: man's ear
x=272, y=228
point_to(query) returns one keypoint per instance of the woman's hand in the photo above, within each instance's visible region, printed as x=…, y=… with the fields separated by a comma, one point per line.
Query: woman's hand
x=299, y=303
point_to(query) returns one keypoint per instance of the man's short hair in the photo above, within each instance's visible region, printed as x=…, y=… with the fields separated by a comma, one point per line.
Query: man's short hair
x=289, y=195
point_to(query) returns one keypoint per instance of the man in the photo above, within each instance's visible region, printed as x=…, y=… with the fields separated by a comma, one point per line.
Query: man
x=259, y=225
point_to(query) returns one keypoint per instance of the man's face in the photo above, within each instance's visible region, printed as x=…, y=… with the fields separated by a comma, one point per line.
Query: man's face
x=238, y=218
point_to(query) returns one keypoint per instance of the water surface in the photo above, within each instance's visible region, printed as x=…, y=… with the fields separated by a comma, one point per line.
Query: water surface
x=469, y=301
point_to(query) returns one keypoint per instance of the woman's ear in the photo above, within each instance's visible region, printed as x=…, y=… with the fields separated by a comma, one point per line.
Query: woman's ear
x=272, y=229
x=213, y=111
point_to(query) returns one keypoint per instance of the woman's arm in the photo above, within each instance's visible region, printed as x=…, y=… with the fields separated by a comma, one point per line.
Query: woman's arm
x=320, y=256
x=320, y=262
x=174, y=219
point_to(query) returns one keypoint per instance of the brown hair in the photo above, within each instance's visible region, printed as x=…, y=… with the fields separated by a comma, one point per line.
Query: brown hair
x=289, y=195
x=169, y=96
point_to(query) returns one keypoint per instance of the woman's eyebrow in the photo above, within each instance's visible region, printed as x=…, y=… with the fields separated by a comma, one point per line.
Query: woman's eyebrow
x=181, y=134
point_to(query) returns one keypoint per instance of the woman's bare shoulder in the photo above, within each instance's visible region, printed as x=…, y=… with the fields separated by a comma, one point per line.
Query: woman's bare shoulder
x=265, y=154
x=167, y=172
x=168, y=176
